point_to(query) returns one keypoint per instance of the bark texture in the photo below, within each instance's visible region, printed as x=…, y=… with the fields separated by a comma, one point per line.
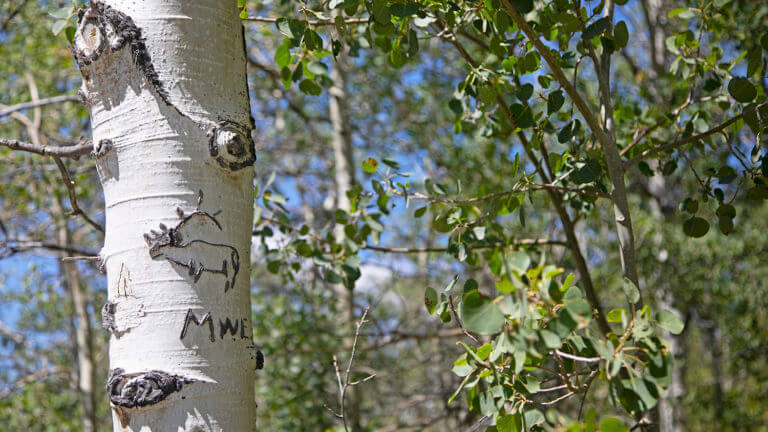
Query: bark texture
x=166, y=86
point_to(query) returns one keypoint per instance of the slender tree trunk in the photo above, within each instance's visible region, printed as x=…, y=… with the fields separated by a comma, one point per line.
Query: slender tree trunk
x=344, y=177
x=71, y=277
x=668, y=416
x=166, y=86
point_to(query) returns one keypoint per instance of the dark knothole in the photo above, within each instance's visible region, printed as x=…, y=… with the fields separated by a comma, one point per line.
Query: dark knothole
x=141, y=389
x=231, y=145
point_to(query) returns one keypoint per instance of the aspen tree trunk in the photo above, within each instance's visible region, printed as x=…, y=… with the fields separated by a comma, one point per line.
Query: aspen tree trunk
x=344, y=177
x=71, y=277
x=166, y=87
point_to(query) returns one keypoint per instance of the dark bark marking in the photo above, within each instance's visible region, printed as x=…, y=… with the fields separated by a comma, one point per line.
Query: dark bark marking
x=162, y=243
x=141, y=389
x=226, y=326
x=191, y=317
x=231, y=145
x=102, y=148
x=110, y=30
x=108, y=317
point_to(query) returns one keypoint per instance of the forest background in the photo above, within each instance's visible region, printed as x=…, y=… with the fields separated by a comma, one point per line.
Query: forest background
x=414, y=153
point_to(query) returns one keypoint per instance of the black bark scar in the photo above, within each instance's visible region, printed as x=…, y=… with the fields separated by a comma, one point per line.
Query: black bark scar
x=132, y=390
x=231, y=145
x=116, y=31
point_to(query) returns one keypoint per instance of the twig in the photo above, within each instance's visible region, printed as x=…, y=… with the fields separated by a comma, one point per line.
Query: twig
x=71, y=151
x=76, y=210
x=38, y=103
x=458, y=321
x=691, y=139
x=578, y=358
x=344, y=383
x=311, y=22
x=494, y=245
x=554, y=401
x=81, y=258
x=15, y=246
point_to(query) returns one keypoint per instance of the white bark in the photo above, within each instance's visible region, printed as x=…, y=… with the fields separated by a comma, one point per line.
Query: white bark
x=154, y=159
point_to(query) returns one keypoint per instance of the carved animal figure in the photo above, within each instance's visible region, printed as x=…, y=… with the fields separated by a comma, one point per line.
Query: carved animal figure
x=178, y=246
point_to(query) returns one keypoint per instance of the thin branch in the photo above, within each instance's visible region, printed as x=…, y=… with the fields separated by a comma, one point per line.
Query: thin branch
x=344, y=383
x=39, y=103
x=15, y=246
x=622, y=215
x=71, y=151
x=311, y=22
x=494, y=245
x=647, y=130
x=578, y=358
x=530, y=187
x=568, y=226
x=458, y=321
x=76, y=210
x=691, y=139
x=552, y=402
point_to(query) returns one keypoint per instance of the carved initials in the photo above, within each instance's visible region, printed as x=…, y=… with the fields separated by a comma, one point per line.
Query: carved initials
x=191, y=317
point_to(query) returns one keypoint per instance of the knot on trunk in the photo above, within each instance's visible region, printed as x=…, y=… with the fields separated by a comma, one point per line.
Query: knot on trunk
x=231, y=145
x=131, y=390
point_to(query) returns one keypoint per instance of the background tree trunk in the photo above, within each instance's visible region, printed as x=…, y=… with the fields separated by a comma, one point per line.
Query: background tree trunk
x=171, y=131
x=85, y=371
x=344, y=177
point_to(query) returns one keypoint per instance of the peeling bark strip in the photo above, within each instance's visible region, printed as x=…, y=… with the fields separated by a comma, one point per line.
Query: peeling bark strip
x=101, y=27
x=141, y=389
x=231, y=145
x=170, y=243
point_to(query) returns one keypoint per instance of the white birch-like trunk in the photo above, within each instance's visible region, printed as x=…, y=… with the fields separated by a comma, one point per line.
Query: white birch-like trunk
x=171, y=134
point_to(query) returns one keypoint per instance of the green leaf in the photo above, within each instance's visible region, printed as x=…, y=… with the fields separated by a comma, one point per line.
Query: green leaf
x=742, y=90
x=479, y=232
x=63, y=13
x=620, y=35
x=310, y=87
x=725, y=225
x=58, y=26
x=452, y=283
x=550, y=339
x=419, y=212
x=519, y=261
x=612, y=424
x=630, y=290
x=510, y=423
x=283, y=55
x=430, y=300
x=484, y=351
x=615, y=315
x=522, y=6
x=390, y=163
x=596, y=28
x=555, y=101
x=533, y=417
x=695, y=227
x=505, y=286
x=480, y=314
x=370, y=165
x=670, y=321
